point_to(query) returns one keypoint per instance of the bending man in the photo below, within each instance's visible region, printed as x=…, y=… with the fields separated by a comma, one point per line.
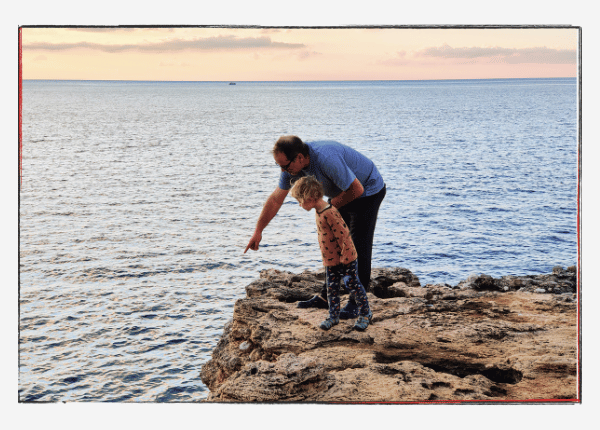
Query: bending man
x=353, y=185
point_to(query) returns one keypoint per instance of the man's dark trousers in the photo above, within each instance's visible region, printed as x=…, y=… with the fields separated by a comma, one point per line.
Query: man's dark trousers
x=360, y=216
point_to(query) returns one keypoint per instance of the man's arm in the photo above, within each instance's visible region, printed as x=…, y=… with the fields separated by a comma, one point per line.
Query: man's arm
x=270, y=209
x=353, y=192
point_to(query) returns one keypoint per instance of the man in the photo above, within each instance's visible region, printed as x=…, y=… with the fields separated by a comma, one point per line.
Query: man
x=353, y=185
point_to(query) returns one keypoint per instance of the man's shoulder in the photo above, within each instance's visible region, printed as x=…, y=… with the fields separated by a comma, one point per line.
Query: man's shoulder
x=323, y=149
x=324, y=144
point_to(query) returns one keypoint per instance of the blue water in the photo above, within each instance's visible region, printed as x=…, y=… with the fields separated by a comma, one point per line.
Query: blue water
x=138, y=199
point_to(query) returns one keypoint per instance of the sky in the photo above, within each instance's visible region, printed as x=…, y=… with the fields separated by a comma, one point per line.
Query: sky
x=261, y=53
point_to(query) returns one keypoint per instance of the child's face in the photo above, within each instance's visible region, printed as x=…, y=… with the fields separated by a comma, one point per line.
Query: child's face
x=308, y=204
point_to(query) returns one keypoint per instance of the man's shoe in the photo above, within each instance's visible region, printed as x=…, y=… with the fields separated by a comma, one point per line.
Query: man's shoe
x=349, y=311
x=316, y=302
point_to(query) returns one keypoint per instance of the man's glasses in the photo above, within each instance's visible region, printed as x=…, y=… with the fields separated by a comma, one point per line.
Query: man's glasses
x=288, y=164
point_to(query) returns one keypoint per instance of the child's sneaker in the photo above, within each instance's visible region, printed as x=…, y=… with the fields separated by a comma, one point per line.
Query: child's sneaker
x=363, y=322
x=328, y=323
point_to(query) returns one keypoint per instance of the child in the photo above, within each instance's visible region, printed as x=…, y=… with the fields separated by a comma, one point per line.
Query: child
x=337, y=248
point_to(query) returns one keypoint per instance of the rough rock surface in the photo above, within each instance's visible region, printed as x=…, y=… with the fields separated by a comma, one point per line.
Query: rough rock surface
x=513, y=338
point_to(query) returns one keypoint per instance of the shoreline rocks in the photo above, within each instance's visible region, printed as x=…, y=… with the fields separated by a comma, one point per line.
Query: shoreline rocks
x=486, y=339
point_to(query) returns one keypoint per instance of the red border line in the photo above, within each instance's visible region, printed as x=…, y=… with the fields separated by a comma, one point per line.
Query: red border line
x=422, y=402
x=20, y=112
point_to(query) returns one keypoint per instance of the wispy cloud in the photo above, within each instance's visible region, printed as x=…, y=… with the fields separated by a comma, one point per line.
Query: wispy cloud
x=401, y=59
x=201, y=44
x=101, y=29
x=539, y=55
x=303, y=55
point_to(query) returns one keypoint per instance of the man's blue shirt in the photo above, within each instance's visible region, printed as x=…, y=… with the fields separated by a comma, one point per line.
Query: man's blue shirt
x=336, y=166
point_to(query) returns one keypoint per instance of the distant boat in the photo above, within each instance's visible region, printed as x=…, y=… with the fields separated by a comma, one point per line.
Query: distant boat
x=232, y=83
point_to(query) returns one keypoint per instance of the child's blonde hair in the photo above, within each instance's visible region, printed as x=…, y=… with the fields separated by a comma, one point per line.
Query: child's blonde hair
x=307, y=187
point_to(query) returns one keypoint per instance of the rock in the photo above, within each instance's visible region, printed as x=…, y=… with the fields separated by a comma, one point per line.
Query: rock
x=244, y=346
x=480, y=282
x=387, y=283
x=484, y=339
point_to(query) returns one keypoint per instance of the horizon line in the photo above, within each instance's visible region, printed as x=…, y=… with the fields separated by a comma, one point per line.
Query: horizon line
x=297, y=80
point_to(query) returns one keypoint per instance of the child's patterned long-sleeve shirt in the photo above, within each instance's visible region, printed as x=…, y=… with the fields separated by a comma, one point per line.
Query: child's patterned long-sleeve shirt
x=334, y=238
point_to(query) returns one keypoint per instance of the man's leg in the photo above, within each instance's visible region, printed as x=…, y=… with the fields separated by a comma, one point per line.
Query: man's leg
x=361, y=218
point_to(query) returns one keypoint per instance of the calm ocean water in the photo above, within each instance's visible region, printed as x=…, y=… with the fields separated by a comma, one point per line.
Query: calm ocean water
x=138, y=199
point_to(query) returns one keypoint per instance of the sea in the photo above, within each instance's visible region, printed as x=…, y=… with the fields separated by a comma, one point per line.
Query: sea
x=137, y=200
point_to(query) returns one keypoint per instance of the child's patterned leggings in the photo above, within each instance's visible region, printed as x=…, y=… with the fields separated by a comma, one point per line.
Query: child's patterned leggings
x=348, y=274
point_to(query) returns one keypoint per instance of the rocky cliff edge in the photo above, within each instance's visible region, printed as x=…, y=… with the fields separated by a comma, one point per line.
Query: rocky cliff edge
x=485, y=339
